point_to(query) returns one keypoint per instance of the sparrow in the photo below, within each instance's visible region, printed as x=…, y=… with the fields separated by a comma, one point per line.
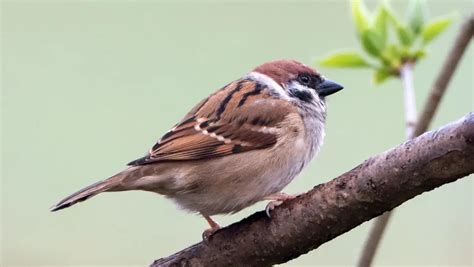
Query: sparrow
x=241, y=145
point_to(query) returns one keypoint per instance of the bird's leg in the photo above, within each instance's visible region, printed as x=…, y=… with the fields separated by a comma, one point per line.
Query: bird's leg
x=280, y=196
x=214, y=227
x=276, y=199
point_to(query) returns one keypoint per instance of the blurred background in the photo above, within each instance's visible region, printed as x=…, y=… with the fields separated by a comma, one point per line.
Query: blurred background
x=88, y=86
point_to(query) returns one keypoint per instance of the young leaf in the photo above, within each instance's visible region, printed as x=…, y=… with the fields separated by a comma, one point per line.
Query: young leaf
x=406, y=54
x=360, y=16
x=419, y=54
x=346, y=59
x=380, y=24
x=416, y=15
x=405, y=35
x=372, y=42
x=391, y=17
x=392, y=56
x=380, y=75
x=392, y=51
x=432, y=29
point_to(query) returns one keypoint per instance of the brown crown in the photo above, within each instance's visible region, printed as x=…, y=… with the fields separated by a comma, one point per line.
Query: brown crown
x=282, y=71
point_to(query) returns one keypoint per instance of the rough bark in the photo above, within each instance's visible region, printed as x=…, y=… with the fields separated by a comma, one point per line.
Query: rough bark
x=379, y=184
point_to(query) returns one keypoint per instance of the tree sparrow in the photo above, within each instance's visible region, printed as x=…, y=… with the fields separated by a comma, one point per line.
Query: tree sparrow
x=242, y=144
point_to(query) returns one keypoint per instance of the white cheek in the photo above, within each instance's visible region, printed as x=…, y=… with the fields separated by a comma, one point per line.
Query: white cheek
x=300, y=87
x=297, y=86
x=274, y=87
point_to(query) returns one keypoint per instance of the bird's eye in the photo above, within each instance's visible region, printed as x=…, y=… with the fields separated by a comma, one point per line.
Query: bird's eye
x=304, y=79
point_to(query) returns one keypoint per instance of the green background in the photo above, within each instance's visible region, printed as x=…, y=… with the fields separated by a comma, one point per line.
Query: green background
x=88, y=86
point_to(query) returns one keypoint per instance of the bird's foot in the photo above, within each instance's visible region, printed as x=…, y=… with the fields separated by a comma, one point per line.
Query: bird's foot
x=271, y=206
x=276, y=200
x=206, y=235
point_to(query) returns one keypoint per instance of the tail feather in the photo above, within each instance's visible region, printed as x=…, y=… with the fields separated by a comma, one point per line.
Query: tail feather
x=85, y=193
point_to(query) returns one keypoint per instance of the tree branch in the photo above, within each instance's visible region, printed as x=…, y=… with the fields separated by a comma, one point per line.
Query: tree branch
x=377, y=185
x=444, y=77
x=438, y=89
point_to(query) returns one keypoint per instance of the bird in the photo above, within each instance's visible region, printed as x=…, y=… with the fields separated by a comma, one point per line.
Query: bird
x=242, y=144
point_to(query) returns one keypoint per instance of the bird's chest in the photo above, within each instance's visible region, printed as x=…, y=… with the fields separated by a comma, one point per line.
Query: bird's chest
x=294, y=152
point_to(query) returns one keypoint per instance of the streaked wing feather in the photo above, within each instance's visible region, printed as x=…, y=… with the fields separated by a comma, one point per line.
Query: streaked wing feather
x=222, y=131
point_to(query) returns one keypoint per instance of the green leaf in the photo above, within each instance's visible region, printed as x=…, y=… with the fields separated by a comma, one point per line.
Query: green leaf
x=346, y=59
x=405, y=35
x=416, y=15
x=372, y=42
x=392, y=51
x=359, y=15
x=419, y=54
x=432, y=29
x=380, y=24
x=380, y=76
x=392, y=56
x=391, y=17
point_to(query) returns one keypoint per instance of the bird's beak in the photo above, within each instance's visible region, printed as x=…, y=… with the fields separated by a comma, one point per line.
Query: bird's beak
x=328, y=87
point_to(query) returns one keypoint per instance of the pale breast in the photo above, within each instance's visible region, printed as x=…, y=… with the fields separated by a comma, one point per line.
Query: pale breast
x=231, y=183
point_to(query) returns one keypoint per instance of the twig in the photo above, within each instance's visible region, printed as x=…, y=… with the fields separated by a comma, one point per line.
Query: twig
x=377, y=185
x=444, y=77
x=437, y=92
x=406, y=74
x=380, y=223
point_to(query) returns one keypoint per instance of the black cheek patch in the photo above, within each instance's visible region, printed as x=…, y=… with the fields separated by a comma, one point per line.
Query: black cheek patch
x=302, y=95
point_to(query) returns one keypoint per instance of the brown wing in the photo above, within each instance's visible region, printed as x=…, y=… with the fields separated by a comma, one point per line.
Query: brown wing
x=240, y=117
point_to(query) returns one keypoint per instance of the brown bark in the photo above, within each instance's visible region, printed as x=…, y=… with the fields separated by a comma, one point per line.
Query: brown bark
x=377, y=185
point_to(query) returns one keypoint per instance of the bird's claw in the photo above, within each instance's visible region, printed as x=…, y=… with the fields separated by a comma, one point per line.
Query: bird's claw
x=277, y=198
x=208, y=233
x=272, y=205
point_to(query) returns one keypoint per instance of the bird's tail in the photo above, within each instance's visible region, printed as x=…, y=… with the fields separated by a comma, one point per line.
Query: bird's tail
x=88, y=192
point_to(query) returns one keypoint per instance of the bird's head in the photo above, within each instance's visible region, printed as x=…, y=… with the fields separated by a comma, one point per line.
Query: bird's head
x=299, y=82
